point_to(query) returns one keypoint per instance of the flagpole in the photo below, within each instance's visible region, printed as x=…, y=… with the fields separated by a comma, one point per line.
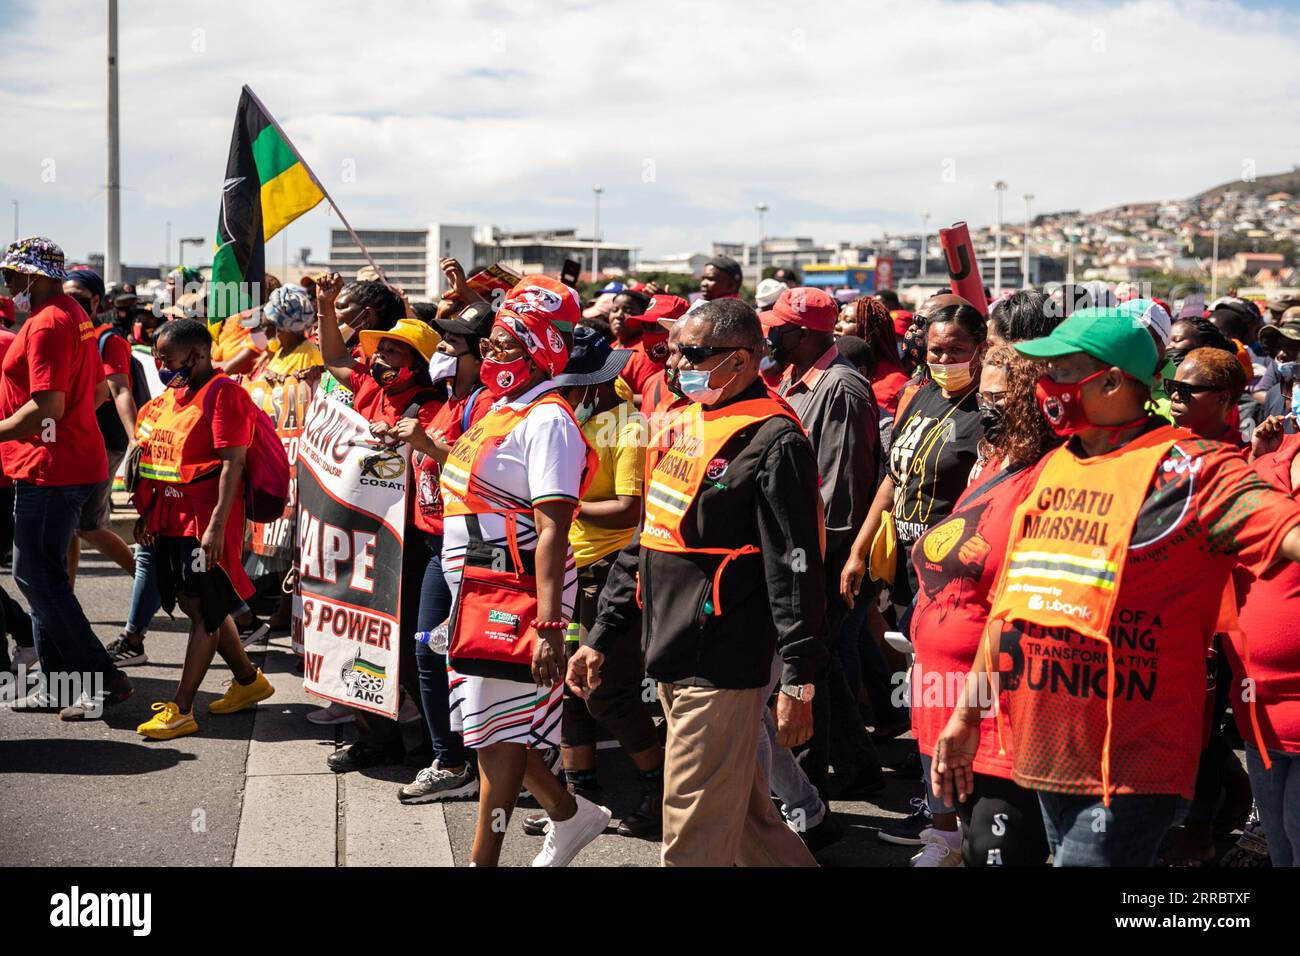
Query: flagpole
x=319, y=185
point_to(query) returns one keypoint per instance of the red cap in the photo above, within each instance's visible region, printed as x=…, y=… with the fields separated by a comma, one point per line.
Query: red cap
x=811, y=309
x=664, y=309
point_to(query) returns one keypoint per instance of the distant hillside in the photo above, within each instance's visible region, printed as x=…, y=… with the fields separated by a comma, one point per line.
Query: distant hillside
x=1263, y=186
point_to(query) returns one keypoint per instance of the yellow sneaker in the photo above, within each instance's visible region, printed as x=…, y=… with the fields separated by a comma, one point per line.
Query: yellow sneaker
x=238, y=696
x=167, y=723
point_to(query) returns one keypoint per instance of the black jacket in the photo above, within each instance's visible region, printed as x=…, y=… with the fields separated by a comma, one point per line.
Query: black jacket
x=766, y=494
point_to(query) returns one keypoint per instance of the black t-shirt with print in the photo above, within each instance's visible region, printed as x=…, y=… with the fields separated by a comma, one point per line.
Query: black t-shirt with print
x=930, y=458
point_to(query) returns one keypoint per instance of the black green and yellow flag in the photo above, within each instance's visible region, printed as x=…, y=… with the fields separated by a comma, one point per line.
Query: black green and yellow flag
x=267, y=187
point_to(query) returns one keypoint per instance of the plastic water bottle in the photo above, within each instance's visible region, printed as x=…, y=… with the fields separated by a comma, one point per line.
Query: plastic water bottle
x=437, y=639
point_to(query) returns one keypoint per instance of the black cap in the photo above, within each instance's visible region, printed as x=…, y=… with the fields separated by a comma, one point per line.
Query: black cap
x=728, y=265
x=593, y=360
x=472, y=319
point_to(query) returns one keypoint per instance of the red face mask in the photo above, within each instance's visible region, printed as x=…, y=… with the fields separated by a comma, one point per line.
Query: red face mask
x=1061, y=404
x=501, y=377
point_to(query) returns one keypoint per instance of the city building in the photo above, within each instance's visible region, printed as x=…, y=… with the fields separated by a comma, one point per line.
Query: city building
x=410, y=257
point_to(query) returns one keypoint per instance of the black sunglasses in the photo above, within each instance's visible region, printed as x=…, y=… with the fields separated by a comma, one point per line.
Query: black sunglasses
x=1185, y=390
x=695, y=354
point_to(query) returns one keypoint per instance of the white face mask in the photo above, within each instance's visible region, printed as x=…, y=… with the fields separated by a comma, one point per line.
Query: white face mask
x=443, y=366
x=23, y=300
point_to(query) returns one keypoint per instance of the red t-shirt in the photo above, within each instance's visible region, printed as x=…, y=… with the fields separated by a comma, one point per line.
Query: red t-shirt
x=55, y=351
x=116, y=357
x=184, y=510
x=886, y=384
x=1205, y=512
x=446, y=427
x=648, y=357
x=957, y=561
x=7, y=337
x=387, y=405
x=1269, y=615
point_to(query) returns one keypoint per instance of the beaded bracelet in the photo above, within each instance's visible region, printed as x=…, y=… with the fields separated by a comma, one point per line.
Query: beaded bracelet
x=559, y=625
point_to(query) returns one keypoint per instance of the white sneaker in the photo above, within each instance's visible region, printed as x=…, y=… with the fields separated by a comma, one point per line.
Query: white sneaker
x=25, y=657
x=565, y=839
x=335, y=713
x=937, y=849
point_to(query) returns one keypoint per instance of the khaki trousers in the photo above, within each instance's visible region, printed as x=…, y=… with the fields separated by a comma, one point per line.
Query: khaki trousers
x=718, y=808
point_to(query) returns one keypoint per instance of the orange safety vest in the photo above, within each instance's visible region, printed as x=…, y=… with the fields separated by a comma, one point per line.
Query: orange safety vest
x=677, y=461
x=462, y=491
x=1065, y=559
x=165, y=431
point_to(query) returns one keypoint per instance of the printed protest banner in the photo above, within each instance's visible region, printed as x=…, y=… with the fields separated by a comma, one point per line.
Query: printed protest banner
x=351, y=509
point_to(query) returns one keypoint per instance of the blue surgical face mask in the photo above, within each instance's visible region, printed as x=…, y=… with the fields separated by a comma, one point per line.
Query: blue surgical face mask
x=1286, y=370
x=695, y=385
x=584, y=410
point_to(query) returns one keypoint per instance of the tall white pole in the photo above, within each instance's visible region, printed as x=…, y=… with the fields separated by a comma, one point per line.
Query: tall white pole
x=595, y=237
x=167, y=247
x=113, y=237
x=1024, y=269
x=762, y=208
x=999, y=187
x=15, y=202
x=925, y=226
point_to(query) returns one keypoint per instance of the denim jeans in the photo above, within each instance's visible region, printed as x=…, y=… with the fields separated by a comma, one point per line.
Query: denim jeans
x=1083, y=832
x=435, y=606
x=45, y=519
x=799, y=798
x=145, y=599
x=1277, y=794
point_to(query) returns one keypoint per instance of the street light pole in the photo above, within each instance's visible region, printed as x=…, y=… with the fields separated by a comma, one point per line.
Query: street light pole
x=1214, y=267
x=999, y=187
x=595, y=237
x=112, y=240
x=15, y=202
x=925, y=225
x=193, y=241
x=1024, y=269
x=762, y=208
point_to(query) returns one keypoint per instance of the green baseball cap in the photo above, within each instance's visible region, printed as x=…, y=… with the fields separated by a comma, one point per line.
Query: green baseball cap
x=1115, y=336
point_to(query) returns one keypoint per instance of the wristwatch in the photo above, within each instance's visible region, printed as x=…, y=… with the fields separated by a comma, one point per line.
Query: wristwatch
x=800, y=692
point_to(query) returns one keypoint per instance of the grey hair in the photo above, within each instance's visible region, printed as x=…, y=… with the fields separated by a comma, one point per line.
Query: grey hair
x=732, y=322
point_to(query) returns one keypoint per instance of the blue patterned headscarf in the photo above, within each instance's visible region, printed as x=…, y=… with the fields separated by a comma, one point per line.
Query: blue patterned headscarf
x=291, y=309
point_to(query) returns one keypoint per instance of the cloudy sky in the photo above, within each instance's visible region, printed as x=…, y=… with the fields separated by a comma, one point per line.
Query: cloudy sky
x=848, y=119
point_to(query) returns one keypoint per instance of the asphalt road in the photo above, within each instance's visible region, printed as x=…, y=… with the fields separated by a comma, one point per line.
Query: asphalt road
x=97, y=794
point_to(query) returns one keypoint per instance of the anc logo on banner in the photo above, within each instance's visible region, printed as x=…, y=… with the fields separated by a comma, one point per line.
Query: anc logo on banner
x=364, y=680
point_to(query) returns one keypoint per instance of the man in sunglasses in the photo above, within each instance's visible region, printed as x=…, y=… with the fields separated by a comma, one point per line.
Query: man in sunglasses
x=729, y=574
x=1109, y=597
